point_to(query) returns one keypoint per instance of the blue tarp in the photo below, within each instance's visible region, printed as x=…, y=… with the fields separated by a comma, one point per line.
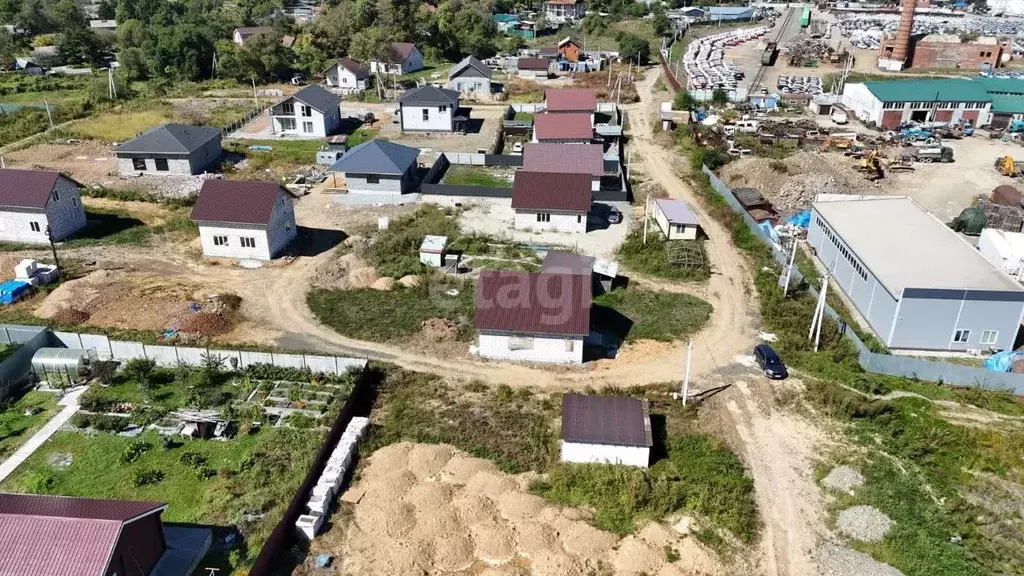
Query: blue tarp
x=803, y=219
x=12, y=290
x=1002, y=361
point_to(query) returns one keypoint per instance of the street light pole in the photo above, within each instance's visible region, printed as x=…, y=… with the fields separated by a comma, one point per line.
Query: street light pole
x=53, y=249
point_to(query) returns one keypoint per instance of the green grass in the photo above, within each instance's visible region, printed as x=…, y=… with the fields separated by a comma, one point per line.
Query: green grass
x=290, y=152
x=104, y=227
x=16, y=427
x=7, y=349
x=663, y=316
x=380, y=316
x=460, y=175
x=653, y=259
x=523, y=117
x=120, y=126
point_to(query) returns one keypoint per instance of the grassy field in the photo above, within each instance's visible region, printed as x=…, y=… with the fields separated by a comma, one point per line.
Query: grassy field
x=16, y=427
x=653, y=259
x=661, y=316
x=460, y=175
x=289, y=152
x=120, y=126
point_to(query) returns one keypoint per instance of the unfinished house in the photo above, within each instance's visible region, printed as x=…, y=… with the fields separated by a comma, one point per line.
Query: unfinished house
x=244, y=219
x=170, y=149
x=551, y=201
x=606, y=430
x=531, y=317
x=377, y=167
x=311, y=112
x=38, y=205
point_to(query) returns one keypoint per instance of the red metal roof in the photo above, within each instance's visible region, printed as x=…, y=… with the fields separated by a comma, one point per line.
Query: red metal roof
x=533, y=64
x=571, y=158
x=26, y=188
x=571, y=100
x=555, y=191
x=524, y=303
x=236, y=201
x=612, y=420
x=403, y=49
x=574, y=126
x=68, y=507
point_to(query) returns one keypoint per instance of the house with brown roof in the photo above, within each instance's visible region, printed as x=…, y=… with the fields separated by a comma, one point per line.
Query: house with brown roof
x=347, y=76
x=36, y=202
x=570, y=101
x=570, y=159
x=533, y=68
x=403, y=58
x=57, y=535
x=575, y=128
x=569, y=49
x=244, y=219
x=532, y=317
x=606, y=430
x=551, y=201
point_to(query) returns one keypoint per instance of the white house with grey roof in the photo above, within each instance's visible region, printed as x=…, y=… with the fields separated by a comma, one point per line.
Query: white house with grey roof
x=676, y=219
x=170, y=149
x=470, y=77
x=428, y=109
x=404, y=58
x=918, y=285
x=309, y=113
x=377, y=167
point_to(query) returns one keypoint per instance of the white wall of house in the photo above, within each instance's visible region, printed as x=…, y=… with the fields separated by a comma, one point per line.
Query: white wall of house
x=281, y=228
x=28, y=227
x=526, y=348
x=533, y=74
x=557, y=222
x=864, y=104
x=674, y=231
x=237, y=38
x=63, y=213
x=471, y=84
x=605, y=454
x=411, y=64
x=201, y=159
x=225, y=241
x=343, y=80
x=302, y=120
x=563, y=12
x=436, y=118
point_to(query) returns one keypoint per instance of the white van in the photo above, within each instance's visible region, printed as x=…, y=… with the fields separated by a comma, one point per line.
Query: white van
x=747, y=126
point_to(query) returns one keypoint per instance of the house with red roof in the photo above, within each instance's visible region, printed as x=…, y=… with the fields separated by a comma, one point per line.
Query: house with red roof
x=403, y=58
x=575, y=128
x=34, y=203
x=575, y=159
x=570, y=101
x=57, y=535
x=532, y=317
x=559, y=11
x=244, y=219
x=551, y=201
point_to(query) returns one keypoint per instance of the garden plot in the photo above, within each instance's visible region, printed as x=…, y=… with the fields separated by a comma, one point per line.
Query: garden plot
x=301, y=405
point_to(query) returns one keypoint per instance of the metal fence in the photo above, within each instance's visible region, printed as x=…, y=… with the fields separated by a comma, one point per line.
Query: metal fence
x=473, y=191
x=873, y=362
x=245, y=119
x=16, y=367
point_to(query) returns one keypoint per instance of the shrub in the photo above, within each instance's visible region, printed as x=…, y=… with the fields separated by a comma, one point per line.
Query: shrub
x=79, y=420
x=193, y=459
x=107, y=423
x=778, y=166
x=97, y=400
x=300, y=420
x=40, y=482
x=140, y=370
x=134, y=451
x=146, y=476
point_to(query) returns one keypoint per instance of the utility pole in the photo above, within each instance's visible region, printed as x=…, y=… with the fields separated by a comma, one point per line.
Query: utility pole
x=255, y=98
x=789, y=270
x=111, y=87
x=686, y=374
x=48, y=115
x=53, y=249
x=646, y=202
x=821, y=314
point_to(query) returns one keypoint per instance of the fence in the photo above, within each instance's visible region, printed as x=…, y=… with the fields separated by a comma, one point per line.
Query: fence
x=245, y=119
x=673, y=82
x=16, y=367
x=873, y=362
x=474, y=191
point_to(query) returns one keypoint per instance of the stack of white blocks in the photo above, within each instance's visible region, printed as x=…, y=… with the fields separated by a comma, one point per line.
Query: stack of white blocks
x=329, y=484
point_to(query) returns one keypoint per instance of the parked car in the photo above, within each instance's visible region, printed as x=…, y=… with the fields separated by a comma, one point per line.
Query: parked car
x=614, y=216
x=517, y=148
x=770, y=362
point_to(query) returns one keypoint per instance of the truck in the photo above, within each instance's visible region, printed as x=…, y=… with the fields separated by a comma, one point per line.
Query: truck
x=769, y=54
x=839, y=116
x=928, y=154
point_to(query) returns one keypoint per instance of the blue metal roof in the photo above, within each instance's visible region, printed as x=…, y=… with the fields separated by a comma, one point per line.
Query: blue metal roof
x=377, y=157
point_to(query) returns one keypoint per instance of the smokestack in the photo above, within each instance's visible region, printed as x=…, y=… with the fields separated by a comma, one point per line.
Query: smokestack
x=902, y=46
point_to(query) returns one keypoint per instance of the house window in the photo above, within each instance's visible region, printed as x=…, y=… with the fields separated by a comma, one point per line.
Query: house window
x=139, y=163
x=287, y=123
x=570, y=345
x=989, y=336
x=288, y=109
x=680, y=228
x=442, y=108
x=56, y=196
x=372, y=179
x=307, y=111
x=161, y=165
x=426, y=114
x=579, y=218
x=543, y=217
x=520, y=343
x=248, y=242
x=34, y=226
x=961, y=336
x=220, y=240
x=307, y=127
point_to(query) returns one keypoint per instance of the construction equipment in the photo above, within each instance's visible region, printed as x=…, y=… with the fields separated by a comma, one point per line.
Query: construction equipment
x=836, y=142
x=915, y=133
x=928, y=154
x=871, y=165
x=1008, y=166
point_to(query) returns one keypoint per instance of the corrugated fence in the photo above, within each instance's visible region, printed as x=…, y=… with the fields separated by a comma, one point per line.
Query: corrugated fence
x=873, y=362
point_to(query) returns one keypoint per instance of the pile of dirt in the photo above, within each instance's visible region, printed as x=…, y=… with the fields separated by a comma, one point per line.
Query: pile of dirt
x=792, y=184
x=843, y=479
x=70, y=316
x=864, y=523
x=432, y=509
x=440, y=330
x=386, y=283
x=410, y=281
x=345, y=273
x=204, y=324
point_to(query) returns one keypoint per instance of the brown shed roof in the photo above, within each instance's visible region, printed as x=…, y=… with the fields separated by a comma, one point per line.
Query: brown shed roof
x=554, y=191
x=572, y=158
x=1006, y=195
x=26, y=188
x=403, y=49
x=236, y=201
x=530, y=303
x=613, y=420
x=573, y=126
x=533, y=64
x=571, y=100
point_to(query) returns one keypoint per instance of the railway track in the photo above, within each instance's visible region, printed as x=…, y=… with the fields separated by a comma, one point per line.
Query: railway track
x=759, y=77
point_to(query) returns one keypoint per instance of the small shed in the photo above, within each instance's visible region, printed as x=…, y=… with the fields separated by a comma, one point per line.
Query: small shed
x=751, y=198
x=62, y=365
x=432, y=250
x=1006, y=195
x=676, y=219
x=606, y=430
x=603, y=272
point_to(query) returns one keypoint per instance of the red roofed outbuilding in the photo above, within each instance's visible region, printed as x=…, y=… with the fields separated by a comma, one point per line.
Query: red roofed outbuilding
x=570, y=100
x=33, y=200
x=244, y=219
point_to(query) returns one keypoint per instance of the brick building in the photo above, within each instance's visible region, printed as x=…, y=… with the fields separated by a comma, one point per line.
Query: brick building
x=949, y=51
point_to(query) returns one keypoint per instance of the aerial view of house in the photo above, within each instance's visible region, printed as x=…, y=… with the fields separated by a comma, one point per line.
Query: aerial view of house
x=37, y=206
x=378, y=167
x=240, y=35
x=606, y=430
x=347, y=76
x=470, y=76
x=561, y=158
x=310, y=113
x=171, y=149
x=559, y=11
x=570, y=100
x=569, y=49
x=405, y=58
x=533, y=68
x=676, y=219
x=551, y=201
x=571, y=128
x=429, y=109
x=244, y=219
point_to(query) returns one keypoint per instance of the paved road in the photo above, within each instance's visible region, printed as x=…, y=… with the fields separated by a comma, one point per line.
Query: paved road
x=70, y=403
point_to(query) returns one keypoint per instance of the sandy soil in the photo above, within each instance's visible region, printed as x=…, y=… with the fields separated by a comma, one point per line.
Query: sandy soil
x=431, y=509
x=88, y=162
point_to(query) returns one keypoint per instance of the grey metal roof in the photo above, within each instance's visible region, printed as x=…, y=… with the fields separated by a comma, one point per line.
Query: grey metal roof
x=559, y=262
x=470, y=62
x=430, y=95
x=169, y=139
x=612, y=420
x=315, y=96
x=906, y=247
x=377, y=157
x=677, y=211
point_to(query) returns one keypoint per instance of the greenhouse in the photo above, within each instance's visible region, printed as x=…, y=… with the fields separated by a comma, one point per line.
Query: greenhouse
x=62, y=366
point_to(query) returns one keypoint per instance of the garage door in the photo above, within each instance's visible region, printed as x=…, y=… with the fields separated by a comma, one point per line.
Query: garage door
x=943, y=115
x=971, y=115
x=891, y=119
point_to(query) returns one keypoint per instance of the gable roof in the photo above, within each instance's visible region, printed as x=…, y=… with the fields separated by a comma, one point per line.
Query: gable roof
x=236, y=201
x=470, y=62
x=677, y=211
x=533, y=64
x=531, y=303
x=570, y=100
x=169, y=139
x=429, y=95
x=613, y=420
x=567, y=40
x=252, y=31
x=315, y=96
x=402, y=49
x=46, y=535
x=928, y=90
x=356, y=67
x=571, y=126
x=558, y=262
x=377, y=157
x=556, y=191
x=569, y=158
x=26, y=188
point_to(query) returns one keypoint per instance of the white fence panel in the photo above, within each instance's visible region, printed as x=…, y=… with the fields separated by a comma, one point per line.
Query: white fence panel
x=289, y=360
x=120, y=350
x=227, y=356
x=529, y=108
x=346, y=364
x=191, y=356
x=69, y=339
x=98, y=341
x=163, y=355
x=325, y=364
x=249, y=358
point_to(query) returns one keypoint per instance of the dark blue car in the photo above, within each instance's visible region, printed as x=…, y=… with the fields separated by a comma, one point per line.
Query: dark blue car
x=770, y=362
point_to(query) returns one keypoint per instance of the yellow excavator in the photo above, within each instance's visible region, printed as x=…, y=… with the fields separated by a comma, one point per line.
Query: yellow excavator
x=1007, y=166
x=871, y=165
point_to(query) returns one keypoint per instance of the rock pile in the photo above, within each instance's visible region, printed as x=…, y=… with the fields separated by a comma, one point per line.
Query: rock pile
x=843, y=479
x=864, y=523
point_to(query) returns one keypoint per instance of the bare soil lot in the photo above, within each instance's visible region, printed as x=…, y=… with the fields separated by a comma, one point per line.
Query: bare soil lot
x=484, y=124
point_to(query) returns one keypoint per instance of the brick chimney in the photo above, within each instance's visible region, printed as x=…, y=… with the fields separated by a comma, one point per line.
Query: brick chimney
x=902, y=44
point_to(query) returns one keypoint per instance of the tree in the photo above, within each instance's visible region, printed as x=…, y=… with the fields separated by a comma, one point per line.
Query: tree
x=719, y=97
x=593, y=24
x=262, y=58
x=660, y=22
x=252, y=12
x=103, y=370
x=133, y=64
x=79, y=46
x=141, y=371
x=7, y=50
x=68, y=16
x=131, y=34
x=633, y=47
x=106, y=10
x=33, y=17
x=684, y=101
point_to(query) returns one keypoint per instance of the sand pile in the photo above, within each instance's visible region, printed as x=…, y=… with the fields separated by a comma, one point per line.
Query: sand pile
x=346, y=273
x=431, y=509
x=440, y=330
